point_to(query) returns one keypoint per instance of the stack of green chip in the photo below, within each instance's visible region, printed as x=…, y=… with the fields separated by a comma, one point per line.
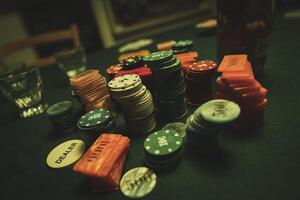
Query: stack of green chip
x=162, y=149
x=136, y=102
x=203, y=126
x=182, y=46
x=62, y=117
x=169, y=84
x=96, y=122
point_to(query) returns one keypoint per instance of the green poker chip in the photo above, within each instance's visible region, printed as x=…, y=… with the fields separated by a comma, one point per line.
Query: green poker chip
x=98, y=117
x=60, y=109
x=159, y=56
x=166, y=63
x=178, y=127
x=169, y=83
x=163, y=143
x=196, y=127
x=219, y=111
x=183, y=44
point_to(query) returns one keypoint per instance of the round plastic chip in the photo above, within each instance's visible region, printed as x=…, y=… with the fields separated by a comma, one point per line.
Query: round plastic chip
x=219, y=111
x=94, y=118
x=138, y=182
x=59, y=108
x=163, y=142
x=124, y=81
x=178, y=127
x=158, y=56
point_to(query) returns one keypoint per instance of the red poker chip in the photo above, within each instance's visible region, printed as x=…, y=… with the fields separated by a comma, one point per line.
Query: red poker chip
x=113, y=69
x=141, y=71
x=198, y=80
x=202, y=66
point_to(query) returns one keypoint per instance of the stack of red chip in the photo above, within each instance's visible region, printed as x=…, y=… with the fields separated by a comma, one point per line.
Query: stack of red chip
x=187, y=58
x=92, y=89
x=145, y=74
x=199, y=81
x=238, y=84
x=104, y=161
x=113, y=70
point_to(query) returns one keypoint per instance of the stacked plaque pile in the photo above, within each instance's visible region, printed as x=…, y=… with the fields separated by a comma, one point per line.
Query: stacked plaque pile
x=204, y=124
x=104, y=161
x=238, y=84
x=92, y=89
x=169, y=84
x=136, y=102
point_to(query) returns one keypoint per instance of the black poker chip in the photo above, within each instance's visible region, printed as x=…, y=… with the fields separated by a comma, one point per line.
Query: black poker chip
x=132, y=62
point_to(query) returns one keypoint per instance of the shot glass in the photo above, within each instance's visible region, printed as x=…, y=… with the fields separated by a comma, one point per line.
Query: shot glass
x=24, y=87
x=72, y=61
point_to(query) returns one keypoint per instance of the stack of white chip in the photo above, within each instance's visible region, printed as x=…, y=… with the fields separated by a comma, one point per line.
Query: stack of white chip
x=136, y=102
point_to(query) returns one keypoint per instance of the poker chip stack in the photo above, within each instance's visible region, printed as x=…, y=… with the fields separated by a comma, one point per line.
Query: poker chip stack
x=136, y=65
x=132, y=62
x=62, y=117
x=183, y=46
x=162, y=149
x=113, y=70
x=92, y=89
x=199, y=78
x=187, y=59
x=104, y=161
x=169, y=85
x=178, y=127
x=144, y=73
x=96, y=122
x=134, y=53
x=238, y=84
x=204, y=124
x=136, y=102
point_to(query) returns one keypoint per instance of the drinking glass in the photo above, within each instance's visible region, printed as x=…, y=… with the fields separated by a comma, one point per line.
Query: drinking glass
x=23, y=85
x=72, y=61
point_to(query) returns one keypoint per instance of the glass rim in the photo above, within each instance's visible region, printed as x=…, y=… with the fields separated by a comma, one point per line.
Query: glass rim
x=10, y=74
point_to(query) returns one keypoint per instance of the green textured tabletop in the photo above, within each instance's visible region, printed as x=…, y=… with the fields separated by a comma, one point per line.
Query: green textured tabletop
x=263, y=165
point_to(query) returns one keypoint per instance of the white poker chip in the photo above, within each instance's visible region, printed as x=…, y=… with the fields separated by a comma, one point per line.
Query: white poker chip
x=124, y=81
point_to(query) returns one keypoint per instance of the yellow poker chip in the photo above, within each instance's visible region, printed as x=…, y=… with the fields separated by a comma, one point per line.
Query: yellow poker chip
x=138, y=182
x=65, y=154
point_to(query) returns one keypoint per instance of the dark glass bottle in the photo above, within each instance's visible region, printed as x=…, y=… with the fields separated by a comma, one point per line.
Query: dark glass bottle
x=244, y=26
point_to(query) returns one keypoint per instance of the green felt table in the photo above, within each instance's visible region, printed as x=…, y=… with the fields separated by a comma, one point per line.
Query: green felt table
x=262, y=165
